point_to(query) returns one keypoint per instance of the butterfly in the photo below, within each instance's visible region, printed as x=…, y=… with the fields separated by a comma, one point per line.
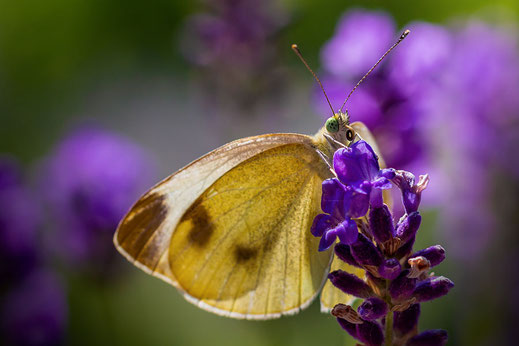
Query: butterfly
x=231, y=230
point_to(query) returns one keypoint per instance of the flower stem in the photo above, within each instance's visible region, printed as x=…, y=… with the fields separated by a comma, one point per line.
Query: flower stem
x=389, y=328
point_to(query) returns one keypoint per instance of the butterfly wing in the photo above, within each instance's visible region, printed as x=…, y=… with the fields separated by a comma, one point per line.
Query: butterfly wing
x=331, y=295
x=231, y=230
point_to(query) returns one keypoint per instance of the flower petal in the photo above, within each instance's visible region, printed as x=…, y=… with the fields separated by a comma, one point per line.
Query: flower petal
x=327, y=240
x=333, y=194
x=347, y=231
x=356, y=164
x=322, y=222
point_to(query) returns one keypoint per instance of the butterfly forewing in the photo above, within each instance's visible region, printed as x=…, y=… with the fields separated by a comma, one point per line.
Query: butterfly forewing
x=231, y=230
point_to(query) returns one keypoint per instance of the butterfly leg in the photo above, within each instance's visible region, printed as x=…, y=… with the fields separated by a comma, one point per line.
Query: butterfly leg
x=335, y=144
x=326, y=160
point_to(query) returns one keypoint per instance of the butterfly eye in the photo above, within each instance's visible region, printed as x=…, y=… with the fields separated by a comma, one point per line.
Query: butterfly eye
x=350, y=135
x=332, y=125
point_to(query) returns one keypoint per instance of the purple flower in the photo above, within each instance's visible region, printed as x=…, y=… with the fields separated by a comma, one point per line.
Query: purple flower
x=350, y=284
x=393, y=283
x=390, y=269
x=417, y=65
x=34, y=312
x=432, y=288
x=435, y=254
x=406, y=321
x=370, y=333
x=337, y=223
x=357, y=167
x=19, y=222
x=372, y=309
x=89, y=180
x=411, y=190
x=232, y=41
x=360, y=39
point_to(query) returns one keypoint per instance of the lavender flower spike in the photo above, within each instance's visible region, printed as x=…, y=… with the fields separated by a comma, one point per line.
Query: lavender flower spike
x=394, y=283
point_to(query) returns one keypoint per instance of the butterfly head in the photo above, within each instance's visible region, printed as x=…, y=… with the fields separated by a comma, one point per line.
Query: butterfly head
x=338, y=127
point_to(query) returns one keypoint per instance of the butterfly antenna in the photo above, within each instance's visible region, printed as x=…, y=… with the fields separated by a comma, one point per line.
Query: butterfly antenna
x=404, y=35
x=298, y=53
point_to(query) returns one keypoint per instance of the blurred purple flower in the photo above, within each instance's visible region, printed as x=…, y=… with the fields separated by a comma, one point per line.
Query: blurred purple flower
x=19, y=222
x=89, y=181
x=33, y=312
x=477, y=101
x=232, y=41
x=360, y=39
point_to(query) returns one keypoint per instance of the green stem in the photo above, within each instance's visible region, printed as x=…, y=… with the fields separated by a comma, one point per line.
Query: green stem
x=389, y=328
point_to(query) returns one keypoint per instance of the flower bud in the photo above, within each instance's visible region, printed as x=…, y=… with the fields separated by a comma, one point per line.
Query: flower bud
x=372, y=309
x=370, y=333
x=432, y=288
x=348, y=326
x=407, y=320
x=435, y=254
x=405, y=248
x=402, y=287
x=350, y=284
x=381, y=223
x=407, y=228
x=433, y=337
x=411, y=191
x=343, y=252
x=365, y=252
x=390, y=269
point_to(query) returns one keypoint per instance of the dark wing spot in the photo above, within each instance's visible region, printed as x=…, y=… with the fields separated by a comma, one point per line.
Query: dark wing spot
x=244, y=253
x=141, y=223
x=202, y=228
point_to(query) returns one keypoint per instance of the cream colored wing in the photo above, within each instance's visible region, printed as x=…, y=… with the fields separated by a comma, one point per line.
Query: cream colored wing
x=232, y=230
x=331, y=296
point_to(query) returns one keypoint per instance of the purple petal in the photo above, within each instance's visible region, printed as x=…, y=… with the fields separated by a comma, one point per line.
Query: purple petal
x=432, y=288
x=390, y=269
x=382, y=183
x=327, y=240
x=407, y=320
x=333, y=194
x=372, y=309
x=370, y=333
x=322, y=222
x=350, y=284
x=360, y=38
x=381, y=223
x=349, y=327
x=365, y=252
x=402, y=287
x=356, y=204
x=356, y=164
x=347, y=231
x=435, y=254
x=343, y=252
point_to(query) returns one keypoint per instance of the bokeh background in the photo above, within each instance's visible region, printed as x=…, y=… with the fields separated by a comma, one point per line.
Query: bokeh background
x=101, y=99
